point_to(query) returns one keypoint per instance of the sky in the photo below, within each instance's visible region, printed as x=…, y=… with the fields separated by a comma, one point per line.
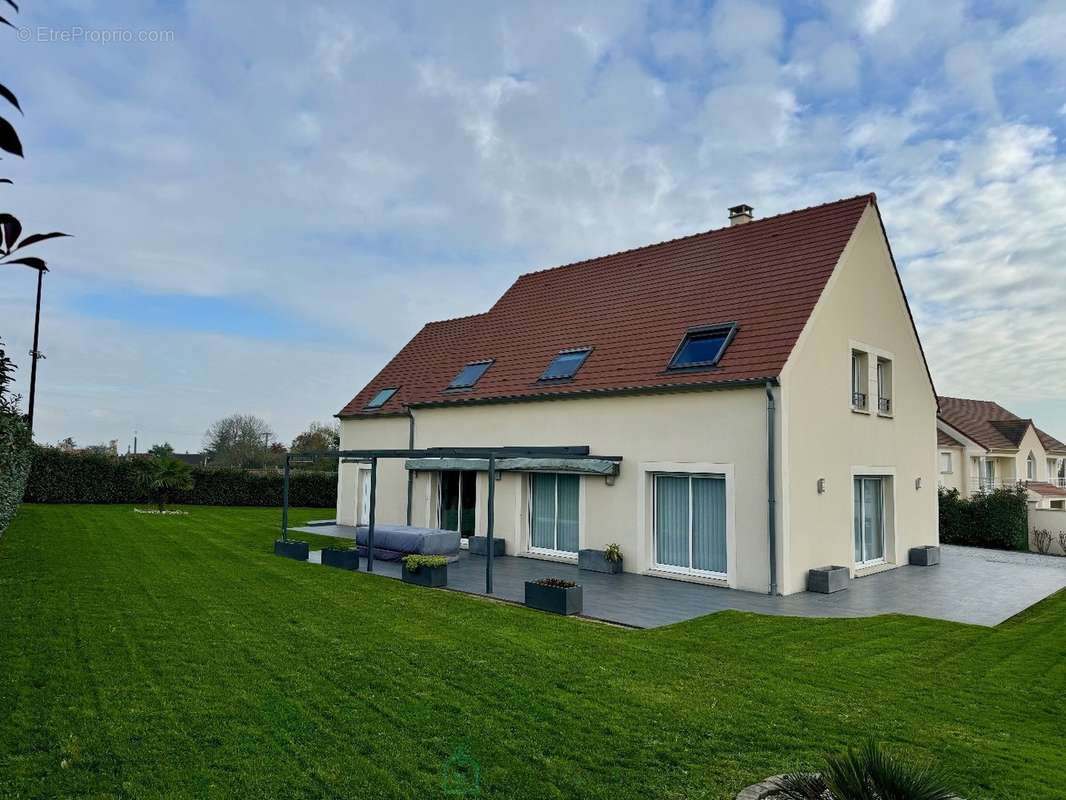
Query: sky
x=268, y=200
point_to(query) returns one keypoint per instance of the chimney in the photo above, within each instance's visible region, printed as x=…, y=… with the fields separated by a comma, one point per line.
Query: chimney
x=738, y=215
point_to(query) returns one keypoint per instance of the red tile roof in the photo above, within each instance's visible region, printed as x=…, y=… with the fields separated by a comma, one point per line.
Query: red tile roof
x=992, y=426
x=633, y=308
x=1045, y=489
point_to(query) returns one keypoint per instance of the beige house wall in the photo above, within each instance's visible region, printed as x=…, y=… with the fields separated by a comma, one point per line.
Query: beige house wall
x=957, y=478
x=376, y=432
x=862, y=307
x=722, y=431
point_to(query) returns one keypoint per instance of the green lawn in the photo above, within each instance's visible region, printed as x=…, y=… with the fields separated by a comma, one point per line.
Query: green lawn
x=177, y=657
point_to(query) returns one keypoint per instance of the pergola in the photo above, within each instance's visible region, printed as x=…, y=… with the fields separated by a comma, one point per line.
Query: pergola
x=495, y=459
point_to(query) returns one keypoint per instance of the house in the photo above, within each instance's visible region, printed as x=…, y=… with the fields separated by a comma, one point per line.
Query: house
x=763, y=385
x=983, y=446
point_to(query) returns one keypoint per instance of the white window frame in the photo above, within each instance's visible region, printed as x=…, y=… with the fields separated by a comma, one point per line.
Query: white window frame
x=884, y=381
x=888, y=523
x=544, y=551
x=1030, y=467
x=646, y=514
x=951, y=462
x=860, y=379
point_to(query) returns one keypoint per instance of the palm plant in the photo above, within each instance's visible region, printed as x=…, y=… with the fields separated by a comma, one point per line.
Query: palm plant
x=162, y=476
x=867, y=773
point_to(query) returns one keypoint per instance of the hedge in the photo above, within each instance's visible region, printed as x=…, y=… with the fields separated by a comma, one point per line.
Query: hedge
x=15, y=457
x=60, y=477
x=998, y=519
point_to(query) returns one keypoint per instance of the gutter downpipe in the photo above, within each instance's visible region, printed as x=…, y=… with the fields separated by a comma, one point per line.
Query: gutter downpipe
x=410, y=474
x=771, y=488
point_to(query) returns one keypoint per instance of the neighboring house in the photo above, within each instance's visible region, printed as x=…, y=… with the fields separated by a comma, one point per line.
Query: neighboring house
x=984, y=446
x=669, y=356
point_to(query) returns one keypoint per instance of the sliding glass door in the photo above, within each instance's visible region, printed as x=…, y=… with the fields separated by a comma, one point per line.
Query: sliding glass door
x=869, y=521
x=690, y=524
x=458, y=502
x=554, y=507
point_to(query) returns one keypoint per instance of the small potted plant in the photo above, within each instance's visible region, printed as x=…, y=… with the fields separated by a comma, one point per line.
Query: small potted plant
x=342, y=554
x=291, y=548
x=608, y=560
x=429, y=571
x=555, y=595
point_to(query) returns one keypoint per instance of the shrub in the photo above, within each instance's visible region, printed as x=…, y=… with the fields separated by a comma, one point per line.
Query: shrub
x=15, y=456
x=998, y=519
x=416, y=562
x=867, y=773
x=1042, y=541
x=59, y=477
x=163, y=476
x=555, y=583
x=612, y=552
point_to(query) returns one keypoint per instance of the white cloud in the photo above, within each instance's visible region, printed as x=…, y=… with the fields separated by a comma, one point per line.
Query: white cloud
x=372, y=171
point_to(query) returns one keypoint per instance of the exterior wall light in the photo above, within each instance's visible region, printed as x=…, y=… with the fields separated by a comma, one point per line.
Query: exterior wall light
x=821, y=486
x=609, y=480
x=917, y=484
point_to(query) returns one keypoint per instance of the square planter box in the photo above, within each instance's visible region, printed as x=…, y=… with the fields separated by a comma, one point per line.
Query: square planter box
x=924, y=556
x=433, y=577
x=594, y=561
x=289, y=548
x=479, y=546
x=827, y=579
x=342, y=559
x=555, y=599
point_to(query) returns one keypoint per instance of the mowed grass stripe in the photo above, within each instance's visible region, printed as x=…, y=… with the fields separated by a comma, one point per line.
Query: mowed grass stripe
x=209, y=668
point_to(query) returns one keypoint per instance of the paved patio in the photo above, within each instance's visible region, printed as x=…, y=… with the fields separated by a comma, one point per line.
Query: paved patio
x=980, y=587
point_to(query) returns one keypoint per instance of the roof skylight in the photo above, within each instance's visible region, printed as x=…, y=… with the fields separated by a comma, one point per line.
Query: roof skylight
x=382, y=397
x=566, y=364
x=703, y=347
x=470, y=374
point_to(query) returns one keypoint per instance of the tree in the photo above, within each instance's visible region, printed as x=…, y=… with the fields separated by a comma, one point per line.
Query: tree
x=240, y=440
x=161, y=450
x=318, y=437
x=11, y=238
x=161, y=476
x=67, y=444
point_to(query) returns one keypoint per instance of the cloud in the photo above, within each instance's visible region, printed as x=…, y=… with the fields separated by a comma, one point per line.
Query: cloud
x=359, y=170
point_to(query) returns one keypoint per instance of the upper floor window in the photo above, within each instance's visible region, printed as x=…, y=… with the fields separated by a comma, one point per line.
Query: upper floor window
x=860, y=379
x=1030, y=467
x=381, y=398
x=703, y=347
x=884, y=386
x=470, y=374
x=566, y=364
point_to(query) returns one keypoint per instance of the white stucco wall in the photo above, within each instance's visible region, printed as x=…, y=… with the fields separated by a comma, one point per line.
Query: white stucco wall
x=861, y=307
x=721, y=430
x=378, y=432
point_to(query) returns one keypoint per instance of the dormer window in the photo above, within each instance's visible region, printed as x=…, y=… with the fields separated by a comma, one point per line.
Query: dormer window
x=703, y=346
x=565, y=365
x=381, y=398
x=470, y=374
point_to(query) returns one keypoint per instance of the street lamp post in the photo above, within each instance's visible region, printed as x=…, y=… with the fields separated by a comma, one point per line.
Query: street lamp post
x=35, y=353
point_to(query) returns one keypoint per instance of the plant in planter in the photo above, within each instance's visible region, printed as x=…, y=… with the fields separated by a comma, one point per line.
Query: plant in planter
x=429, y=571
x=555, y=595
x=341, y=554
x=291, y=548
x=608, y=560
x=866, y=773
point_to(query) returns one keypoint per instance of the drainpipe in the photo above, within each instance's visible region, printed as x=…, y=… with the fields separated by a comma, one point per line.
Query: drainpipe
x=410, y=474
x=771, y=489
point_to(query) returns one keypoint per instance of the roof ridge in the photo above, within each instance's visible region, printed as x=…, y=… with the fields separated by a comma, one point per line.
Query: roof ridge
x=869, y=196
